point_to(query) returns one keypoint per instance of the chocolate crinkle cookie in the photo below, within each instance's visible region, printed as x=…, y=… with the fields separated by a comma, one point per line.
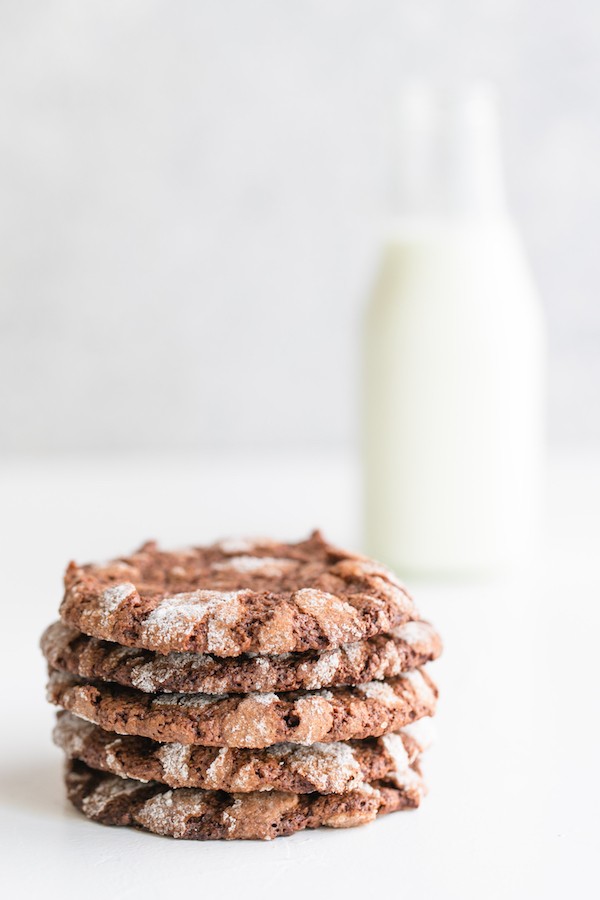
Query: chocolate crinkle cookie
x=250, y=720
x=236, y=597
x=194, y=814
x=326, y=768
x=408, y=646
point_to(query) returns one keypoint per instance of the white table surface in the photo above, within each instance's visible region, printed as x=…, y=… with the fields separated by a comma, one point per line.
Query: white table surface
x=513, y=804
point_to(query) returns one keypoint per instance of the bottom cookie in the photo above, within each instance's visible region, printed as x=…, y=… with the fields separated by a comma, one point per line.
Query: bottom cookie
x=194, y=814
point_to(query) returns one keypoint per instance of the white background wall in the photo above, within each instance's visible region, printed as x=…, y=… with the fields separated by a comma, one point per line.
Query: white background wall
x=191, y=195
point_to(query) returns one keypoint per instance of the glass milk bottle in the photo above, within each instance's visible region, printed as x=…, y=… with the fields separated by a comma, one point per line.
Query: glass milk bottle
x=453, y=357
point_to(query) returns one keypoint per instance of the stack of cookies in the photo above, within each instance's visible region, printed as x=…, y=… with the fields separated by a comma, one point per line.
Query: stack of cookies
x=247, y=689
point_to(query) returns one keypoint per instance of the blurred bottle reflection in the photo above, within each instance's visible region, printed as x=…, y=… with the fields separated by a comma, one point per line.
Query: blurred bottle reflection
x=453, y=374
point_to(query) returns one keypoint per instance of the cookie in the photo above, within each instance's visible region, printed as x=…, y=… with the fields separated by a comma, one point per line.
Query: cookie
x=250, y=720
x=194, y=814
x=326, y=768
x=409, y=646
x=236, y=597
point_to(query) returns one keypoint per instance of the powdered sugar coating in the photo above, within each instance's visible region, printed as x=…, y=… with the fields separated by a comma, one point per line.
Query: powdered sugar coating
x=410, y=783
x=421, y=687
x=112, y=598
x=353, y=653
x=378, y=690
x=186, y=611
x=394, y=745
x=78, y=733
x=330, y=768
x=110, y=789
x=321, y=673
x=266, y=565
x=263, y=699
x=367, y=566
x=188, y=701
x=215, y=772
x=422, y=732
x=175, y=760
x=169, y=813
x=337, y=618
x=251, y=723
x=112, y=760
x=414, y=633
x=151, y=676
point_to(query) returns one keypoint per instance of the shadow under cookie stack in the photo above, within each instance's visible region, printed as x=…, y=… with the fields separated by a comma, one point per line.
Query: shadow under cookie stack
x=244, y=690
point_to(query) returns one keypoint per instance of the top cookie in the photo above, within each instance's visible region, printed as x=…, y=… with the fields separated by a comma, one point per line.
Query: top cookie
x=236, y=596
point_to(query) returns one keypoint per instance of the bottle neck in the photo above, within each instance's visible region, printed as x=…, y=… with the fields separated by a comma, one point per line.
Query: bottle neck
x=448, y=158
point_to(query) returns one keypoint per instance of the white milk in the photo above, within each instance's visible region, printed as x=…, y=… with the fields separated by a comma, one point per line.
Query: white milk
x=453, y=375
